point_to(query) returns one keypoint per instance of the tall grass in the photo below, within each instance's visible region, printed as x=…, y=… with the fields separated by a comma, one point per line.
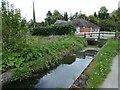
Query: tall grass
x=103, y=63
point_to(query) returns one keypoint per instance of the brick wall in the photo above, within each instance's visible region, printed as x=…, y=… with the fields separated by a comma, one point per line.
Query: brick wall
x=84, y=29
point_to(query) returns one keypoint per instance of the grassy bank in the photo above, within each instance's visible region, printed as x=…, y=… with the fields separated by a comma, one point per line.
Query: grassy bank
x=103, y=63
x=46, y=53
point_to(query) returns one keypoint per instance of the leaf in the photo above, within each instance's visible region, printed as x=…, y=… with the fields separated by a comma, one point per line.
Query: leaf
x=19, y=62
x=11, y=64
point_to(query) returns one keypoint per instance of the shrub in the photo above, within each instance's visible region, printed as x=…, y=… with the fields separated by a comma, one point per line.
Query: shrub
x=54, y=30
x=14, y=32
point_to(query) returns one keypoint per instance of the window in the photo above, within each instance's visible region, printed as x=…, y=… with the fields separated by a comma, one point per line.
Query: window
x=78, y=29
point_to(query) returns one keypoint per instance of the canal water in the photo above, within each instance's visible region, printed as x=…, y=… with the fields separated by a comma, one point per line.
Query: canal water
x=62, y=76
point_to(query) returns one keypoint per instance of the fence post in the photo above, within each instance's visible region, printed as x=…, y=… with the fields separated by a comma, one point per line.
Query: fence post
x=98, y=35
x=84, y=35
x=115, y=34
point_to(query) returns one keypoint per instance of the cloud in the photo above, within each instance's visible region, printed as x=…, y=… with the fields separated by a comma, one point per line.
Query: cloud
x=119, y=4
x=71, y=6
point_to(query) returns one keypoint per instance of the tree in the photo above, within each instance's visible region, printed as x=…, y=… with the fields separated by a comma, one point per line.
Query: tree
x=71, y=17
x=103, y=13
x=118, y=13
x=76, y=15
x=14, y=29
x=82, y=16
x=52, y=18
x=56, y=13
x=118, y=19
x=48, y=20
x=65, y=16
x=93, y=19
x=103, y=9
x=113, y=15
x=95, y=14
x=49, y=14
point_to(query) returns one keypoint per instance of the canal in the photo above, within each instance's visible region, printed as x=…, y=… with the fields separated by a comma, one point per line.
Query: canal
x=62, y=76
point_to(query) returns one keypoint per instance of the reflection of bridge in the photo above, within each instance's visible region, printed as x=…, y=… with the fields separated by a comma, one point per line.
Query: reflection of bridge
x=99, y=35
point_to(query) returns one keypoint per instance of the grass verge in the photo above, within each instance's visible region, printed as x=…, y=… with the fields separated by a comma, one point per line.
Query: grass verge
x=103, y=63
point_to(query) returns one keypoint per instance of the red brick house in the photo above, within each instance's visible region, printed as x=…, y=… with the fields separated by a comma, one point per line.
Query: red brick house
x=84, y=26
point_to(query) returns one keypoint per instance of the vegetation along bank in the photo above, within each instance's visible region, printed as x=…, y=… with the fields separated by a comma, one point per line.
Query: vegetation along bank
x=42, y=56
x=103, y=61
x=24, y=53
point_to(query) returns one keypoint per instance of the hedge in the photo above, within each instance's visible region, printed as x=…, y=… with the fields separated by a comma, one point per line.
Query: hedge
x=54, y=30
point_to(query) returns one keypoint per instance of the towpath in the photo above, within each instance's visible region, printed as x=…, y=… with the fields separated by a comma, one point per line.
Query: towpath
x=112, y=79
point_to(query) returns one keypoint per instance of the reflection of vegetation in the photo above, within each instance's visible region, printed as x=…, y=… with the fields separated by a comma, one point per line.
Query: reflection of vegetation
x=103, y=62
x=68, y=60
x=88, y=53
x=101, y=42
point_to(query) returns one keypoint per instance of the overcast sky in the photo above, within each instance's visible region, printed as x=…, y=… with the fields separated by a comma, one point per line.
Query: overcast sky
x=71, y=6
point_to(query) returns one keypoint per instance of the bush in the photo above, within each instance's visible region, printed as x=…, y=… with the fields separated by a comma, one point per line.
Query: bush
x=14, y=31
x=54, y=30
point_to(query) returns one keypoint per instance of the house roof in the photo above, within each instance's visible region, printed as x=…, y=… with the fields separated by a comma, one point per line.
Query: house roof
x=61, y=23
x=84, y=23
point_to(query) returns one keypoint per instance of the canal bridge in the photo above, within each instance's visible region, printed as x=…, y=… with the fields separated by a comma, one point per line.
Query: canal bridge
x=96, y=36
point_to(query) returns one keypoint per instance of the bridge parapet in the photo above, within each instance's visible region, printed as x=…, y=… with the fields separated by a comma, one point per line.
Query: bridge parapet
x=99, y=35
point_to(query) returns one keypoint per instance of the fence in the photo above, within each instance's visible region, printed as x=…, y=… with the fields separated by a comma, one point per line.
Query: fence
x=99, y=35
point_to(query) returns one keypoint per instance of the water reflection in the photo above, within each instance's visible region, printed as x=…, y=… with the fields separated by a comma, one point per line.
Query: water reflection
x=66, y=73
x=62, y=76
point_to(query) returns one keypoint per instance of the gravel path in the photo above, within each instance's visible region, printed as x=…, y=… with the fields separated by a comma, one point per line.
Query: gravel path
x=112, y=79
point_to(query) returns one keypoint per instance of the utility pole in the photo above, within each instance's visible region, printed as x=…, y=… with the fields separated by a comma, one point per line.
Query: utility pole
x=34, y=19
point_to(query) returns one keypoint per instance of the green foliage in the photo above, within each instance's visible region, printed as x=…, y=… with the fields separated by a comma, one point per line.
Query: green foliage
x=103, y=13
x=13, y=28
x=101, y=42
x=77, y=15
x=108, y=25
x=14, y=31
x=106, y=21
x=93, y=19
x=103, y=63
x=51, y=18
x=49, y=14
x=65, y=16
x=54, y=30
x=48, y=54
x=95, y=14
